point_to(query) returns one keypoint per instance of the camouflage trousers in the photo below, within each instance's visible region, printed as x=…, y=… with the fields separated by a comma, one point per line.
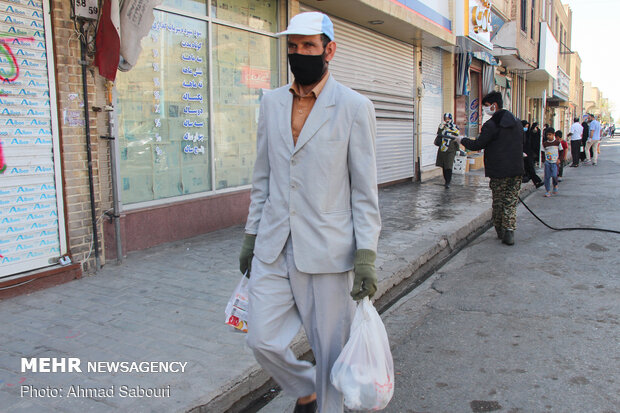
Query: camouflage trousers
x=505, y=199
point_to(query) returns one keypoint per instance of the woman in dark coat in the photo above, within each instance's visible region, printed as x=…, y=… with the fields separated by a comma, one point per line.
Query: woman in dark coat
x=528, y=156
x=448, y=146
x=533, y=136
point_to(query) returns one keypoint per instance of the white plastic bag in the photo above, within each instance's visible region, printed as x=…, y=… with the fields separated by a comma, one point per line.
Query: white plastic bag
x=364, y=370
x=238, y=306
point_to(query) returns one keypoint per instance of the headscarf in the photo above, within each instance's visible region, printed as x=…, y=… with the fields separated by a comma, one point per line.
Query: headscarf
x=448, y=127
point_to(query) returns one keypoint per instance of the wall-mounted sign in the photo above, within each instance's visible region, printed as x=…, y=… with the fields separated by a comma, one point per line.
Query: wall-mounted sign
x=474, y=21
x=87, y=9
x=561, y=85
x=481, y=17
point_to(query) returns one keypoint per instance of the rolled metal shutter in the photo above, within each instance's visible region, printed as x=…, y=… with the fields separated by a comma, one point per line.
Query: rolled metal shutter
x=31, y=209
x=432, y=104
x=382, y=69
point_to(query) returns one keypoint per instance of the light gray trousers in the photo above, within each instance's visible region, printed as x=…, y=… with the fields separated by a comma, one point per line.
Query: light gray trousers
x=282, y=299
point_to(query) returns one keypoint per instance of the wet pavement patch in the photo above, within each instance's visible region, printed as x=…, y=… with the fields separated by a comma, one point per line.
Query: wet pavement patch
x=480, y=406
x=593, y=246
x=579, y=380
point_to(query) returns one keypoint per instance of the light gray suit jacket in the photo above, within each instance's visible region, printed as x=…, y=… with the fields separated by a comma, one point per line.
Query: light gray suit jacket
x=322, y=191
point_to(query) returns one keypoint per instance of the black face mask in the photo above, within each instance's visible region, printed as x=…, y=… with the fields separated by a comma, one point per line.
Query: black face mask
x=307, y=69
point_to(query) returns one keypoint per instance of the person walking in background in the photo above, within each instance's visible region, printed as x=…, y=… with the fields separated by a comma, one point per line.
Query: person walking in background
x=448, y=146
x=575, y=135
x=594, y=140
x=563, y=154
x=528, y=157
x=534, y=139
x=584, y=136
x=502, y=140
x=313, y=222
x=552, y=147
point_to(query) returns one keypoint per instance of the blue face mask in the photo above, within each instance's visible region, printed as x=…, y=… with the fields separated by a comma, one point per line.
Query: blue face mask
x=524, y=129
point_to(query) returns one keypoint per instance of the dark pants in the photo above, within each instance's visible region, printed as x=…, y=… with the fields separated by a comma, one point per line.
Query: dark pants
x=582, y=155
x=575, y=148
x=447, y=175
x=561, y=169
x=530, y=171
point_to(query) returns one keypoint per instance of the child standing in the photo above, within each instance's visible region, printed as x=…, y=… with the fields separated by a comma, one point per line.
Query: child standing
x=553, y=149
x=448, y=146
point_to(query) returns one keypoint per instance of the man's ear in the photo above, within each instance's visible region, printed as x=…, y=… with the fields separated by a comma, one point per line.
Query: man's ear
x=330, y=51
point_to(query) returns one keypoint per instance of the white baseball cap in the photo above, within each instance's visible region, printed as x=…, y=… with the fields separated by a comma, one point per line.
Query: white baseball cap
x=310, y=23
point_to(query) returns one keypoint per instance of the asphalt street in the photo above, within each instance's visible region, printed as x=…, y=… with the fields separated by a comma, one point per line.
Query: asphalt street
x=530, y=328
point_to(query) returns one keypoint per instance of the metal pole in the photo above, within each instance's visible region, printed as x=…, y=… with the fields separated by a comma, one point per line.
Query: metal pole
x=115, y=199
x=91, y=184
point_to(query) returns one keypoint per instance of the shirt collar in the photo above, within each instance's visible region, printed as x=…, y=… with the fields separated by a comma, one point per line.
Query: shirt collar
x=295, y=89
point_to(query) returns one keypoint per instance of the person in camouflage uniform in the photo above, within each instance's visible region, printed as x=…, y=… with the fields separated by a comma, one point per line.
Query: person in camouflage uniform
x=505, y=199
x=502, y=140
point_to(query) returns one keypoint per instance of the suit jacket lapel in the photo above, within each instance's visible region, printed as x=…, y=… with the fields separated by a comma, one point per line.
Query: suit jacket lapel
x=284, y=120
x=319, y=115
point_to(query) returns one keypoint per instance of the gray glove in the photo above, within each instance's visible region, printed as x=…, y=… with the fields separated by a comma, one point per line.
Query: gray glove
x=247, y=253
x=365, y=281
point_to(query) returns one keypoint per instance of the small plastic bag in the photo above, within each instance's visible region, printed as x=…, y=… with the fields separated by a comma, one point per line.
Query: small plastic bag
x=364, y=370
x=238, y=306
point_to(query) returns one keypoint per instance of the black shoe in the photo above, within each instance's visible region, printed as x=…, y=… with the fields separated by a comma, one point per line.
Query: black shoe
x=538, y=184
x=305, y=408
x=509, y=237
x=446, y=186
x=500, y=232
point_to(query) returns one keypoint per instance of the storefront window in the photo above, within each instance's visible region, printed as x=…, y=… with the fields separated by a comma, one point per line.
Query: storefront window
x=190, y=6
x=257, y=14
x=164, y=103
x=164, y=116
x=244, y=64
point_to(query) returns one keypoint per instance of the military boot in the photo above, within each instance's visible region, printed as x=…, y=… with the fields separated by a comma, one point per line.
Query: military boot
x=509, y=237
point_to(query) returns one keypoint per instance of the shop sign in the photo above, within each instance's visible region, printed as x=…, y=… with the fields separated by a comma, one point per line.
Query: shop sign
x=474, y=20
x=561, y=85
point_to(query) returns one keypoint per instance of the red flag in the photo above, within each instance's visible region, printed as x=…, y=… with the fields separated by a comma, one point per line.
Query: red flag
x=108, y=40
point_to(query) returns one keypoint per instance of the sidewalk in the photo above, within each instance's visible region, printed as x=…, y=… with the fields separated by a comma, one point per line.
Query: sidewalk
x=167, y=303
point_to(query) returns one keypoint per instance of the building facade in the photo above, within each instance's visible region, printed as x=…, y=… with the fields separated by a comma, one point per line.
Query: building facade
x=167, y=151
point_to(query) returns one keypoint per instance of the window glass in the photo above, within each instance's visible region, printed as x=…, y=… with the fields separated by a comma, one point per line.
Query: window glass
x=191, y=6
x=257, y=14
x=163, y=113
x=244, y=63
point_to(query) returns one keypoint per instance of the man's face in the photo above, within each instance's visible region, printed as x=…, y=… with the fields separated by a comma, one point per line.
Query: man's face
x=551, y=136
x=492, y=107
x=310, y=45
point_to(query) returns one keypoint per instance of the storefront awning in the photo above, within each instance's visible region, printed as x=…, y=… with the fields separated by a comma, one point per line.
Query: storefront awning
x=485, y=57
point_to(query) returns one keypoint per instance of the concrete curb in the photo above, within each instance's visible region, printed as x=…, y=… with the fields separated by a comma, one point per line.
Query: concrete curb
x=396, y=278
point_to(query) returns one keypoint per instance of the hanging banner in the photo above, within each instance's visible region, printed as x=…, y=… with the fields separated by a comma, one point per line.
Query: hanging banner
x=136, y=21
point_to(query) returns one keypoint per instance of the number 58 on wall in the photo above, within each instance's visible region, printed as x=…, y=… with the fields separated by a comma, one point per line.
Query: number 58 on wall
x=86, y=9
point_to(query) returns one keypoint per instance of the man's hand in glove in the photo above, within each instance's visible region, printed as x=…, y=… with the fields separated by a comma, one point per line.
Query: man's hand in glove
x=247, y=253
x=365, y=282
